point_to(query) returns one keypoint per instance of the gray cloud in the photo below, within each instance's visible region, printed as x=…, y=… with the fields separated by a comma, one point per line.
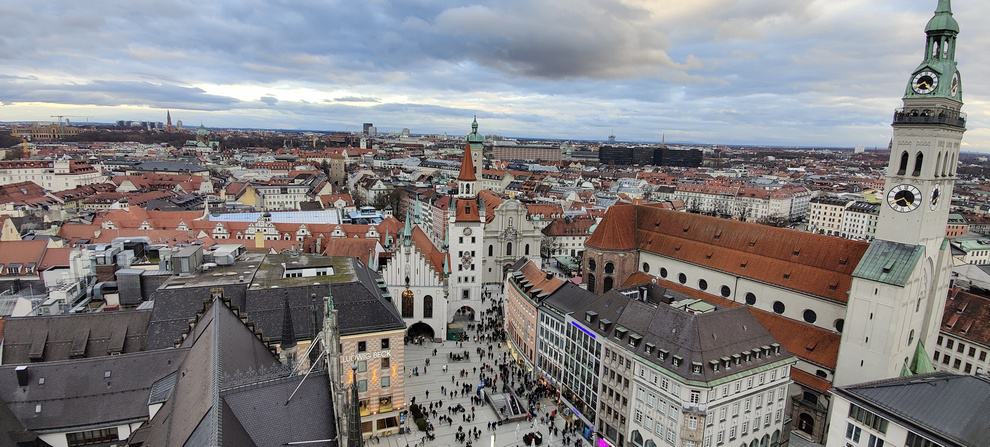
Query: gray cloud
x=806, y=72
x=113, y=93
x=357, y=99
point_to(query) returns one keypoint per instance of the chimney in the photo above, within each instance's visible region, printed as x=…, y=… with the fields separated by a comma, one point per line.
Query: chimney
x=549, y=275
x=22, y=375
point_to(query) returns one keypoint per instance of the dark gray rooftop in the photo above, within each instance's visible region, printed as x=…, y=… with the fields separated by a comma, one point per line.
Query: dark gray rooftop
x=693, y=337
x=61, y=337
x=78, y=393
x=953, y=410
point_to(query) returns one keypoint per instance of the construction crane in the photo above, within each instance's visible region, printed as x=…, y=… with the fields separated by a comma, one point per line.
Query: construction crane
x=65, y=118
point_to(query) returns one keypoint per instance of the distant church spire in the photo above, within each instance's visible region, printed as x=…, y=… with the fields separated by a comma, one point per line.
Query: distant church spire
x=168, y=120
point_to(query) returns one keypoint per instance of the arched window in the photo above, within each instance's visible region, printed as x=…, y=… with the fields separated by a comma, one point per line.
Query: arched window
x=508, y=249
x=637, y=439
x=911, y=337
x=607, y=284
x=526, y=250
x=491, y=250
x=750, y=298
x=726, y=291
x=702, y=284
x=765, y=441
x=592, y=266
x=810, y=316
x=407, y=307
x=952, y=165
x=938, y=164
x=945, y=164
x=918, y=161
x=591, y=282
x=646, y=267
x=427, y=306
x=775, y=439
x=902, y=168
x=754, y=443
x=609, y=267
x=806, y=423
x=778, y=307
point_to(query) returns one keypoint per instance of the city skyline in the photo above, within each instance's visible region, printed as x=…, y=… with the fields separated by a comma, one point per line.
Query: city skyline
x=779, y=73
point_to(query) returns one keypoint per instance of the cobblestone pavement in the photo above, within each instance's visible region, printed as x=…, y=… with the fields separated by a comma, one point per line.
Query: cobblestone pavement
x=432, y=377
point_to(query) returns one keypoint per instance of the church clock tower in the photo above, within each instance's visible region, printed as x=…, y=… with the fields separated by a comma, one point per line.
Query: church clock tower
x=900, y=285
x=925, y=150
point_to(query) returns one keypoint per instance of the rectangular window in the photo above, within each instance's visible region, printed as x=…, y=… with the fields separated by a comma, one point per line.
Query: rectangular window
x=868, y=418
x=362, y=366
x=853, y=432
x=914, y=440
x=90, y=437
x=695, y=396
x=692, y=422
x=362, y=386
x=386, y=363
x=874, y=441
x=386, y=381
x=362, y=346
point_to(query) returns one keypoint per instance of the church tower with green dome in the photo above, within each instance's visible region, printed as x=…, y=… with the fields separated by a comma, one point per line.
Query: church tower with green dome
x=900, y=285
x=477, y=143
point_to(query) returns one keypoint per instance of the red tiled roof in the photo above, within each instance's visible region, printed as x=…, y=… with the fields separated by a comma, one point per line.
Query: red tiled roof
x=538, y=278
x=55, y=257
x=467, y=167
x=351, y=247
x=22, y=252
x=467, y=210
x=967, y=316
x=810, y=380
x=617, y=231
x=429, y=251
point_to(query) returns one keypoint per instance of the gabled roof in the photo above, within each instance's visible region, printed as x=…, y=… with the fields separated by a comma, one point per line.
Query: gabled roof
x=429, y=251
x=815, y=264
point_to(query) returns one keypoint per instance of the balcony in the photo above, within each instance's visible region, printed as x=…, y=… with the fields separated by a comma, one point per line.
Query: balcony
x=934, y=115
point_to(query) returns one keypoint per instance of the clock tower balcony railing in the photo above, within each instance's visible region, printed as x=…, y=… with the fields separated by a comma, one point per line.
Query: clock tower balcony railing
x=930, y=115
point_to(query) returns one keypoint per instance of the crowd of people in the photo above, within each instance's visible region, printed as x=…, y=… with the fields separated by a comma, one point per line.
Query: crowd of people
x=498, y=372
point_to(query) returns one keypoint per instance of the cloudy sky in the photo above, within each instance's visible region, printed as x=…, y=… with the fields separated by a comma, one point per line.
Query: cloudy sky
x=807, y=72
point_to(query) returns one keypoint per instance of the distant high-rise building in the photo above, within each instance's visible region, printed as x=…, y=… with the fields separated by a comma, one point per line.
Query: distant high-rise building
x=405, y=132
x=366, y=127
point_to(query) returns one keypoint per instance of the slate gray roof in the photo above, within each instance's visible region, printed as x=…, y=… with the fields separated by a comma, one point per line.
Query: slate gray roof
x=220, y=345
x=230, y=390
x=60, y=337
x=889, y=262
x=693, y=337
x=77, y=393
x=260, y=412
x=361, y=307
x=359, y=300
x=953, y=410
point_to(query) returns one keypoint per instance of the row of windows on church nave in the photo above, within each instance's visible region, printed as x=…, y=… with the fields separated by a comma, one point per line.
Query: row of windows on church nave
x=778, y=307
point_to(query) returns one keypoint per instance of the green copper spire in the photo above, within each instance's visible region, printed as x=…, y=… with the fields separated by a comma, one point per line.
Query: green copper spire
x=937, y=75
x=473, y=137
x=943, y=20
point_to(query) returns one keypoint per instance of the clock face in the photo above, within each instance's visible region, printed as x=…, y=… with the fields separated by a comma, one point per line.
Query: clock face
x=904, y=198
x=954, y=87
x=467, y=231
x=936, y=194
x=925, y=83
x=466, y=261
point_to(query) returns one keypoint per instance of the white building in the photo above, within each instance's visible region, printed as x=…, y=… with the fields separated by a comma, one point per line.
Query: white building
x=54, y=176
x=416, y=276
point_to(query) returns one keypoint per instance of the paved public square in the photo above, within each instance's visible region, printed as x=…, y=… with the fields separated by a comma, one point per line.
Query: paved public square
x=431, y=378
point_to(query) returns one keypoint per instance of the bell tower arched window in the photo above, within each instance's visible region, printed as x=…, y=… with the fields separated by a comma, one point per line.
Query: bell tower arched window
x=902, y=168
x=508, y=249
x=918, y=161
x=938, y=164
